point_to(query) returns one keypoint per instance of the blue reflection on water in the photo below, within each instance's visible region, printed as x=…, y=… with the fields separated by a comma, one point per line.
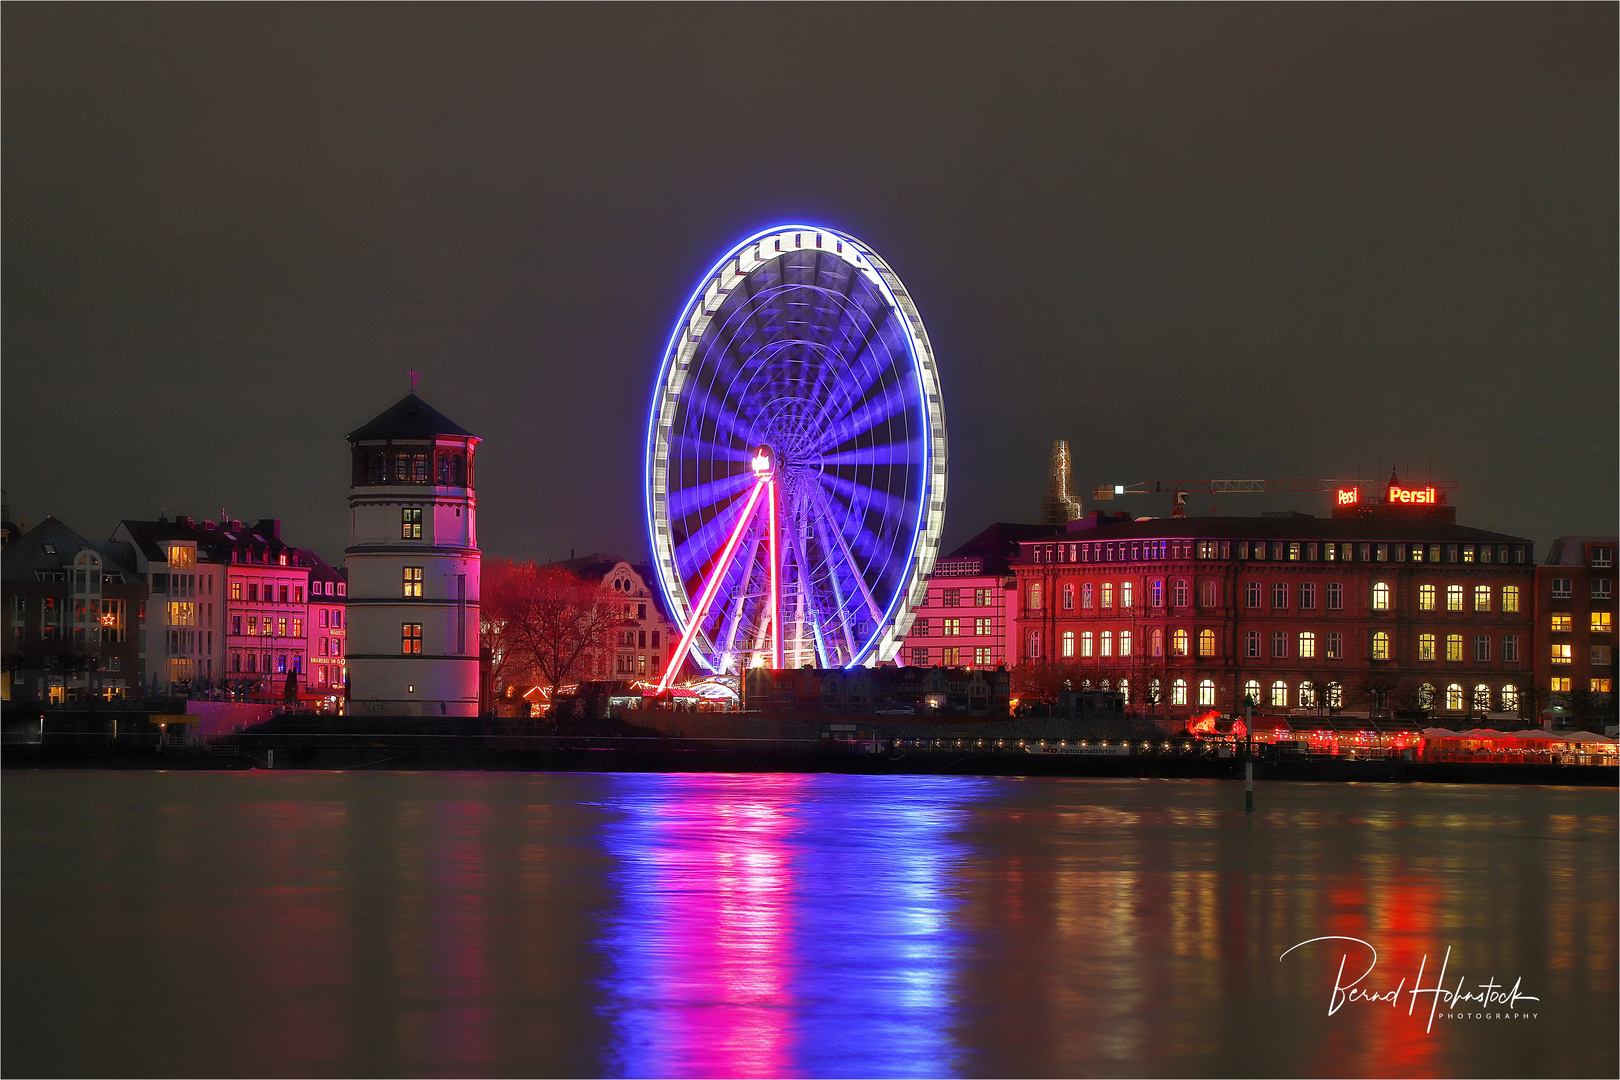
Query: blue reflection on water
x=779, y=925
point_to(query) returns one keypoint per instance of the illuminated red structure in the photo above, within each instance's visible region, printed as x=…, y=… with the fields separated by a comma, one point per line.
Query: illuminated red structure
x=1575, y=614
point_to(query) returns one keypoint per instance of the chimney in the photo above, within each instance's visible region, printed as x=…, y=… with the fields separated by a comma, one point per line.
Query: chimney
x=1061, y=505
x=269, y=528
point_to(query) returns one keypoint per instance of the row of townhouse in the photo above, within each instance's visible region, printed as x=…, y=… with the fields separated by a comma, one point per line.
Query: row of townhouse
x=172, y=607
x=1361, y=612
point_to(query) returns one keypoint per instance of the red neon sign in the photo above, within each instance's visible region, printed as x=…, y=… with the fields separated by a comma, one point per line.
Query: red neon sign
x=1348, y=496
x=1411, y=495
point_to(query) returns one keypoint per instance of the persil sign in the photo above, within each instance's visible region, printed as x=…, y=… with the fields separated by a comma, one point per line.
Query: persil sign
x=1348, y=496
x=1411, y=496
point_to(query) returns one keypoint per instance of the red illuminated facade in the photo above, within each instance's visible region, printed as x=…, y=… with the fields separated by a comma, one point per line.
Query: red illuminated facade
x=971, y=603
x=1361, y=612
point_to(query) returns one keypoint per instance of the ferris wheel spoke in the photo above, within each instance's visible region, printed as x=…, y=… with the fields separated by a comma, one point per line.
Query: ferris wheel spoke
x=849, y=561
x=891, y=401
x=685, y=502
x=694, y=554
x=909, y=452
x=857, y=494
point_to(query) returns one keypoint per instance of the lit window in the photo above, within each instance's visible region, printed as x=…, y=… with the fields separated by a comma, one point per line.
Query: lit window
x=1124, y=643
x=1178, y=692
x=1510, y=648
x=1251, y=692
x=298, y=628
x=1108, y=594
x=1454, y=647
x=1380, y=646
x=953, y=628
x=1510, y=698
x=1107, y=643
x=1468, y=553
x=1563, y=654
x=1601, y=686
x=410, y=523
x=1559, y=685
x=1088, y=644
x=1482, y=598
x=1482, y=648
x=1086, y=591
x=981, y=655
x=1307, y=695
x=1510, y=598
x=1251, y=645
x=1335, y=596
x=1307, y=596
x=1380, y=597
x=1307, y=645
x=410, y=637
x=1334, y=645
x=236, y=590
x=1126, y=594
x=1561, y=622
x=1426, y=597
x=1178, y=643
x=1068, y=596
x=982, y=627
x=413, y=581
x=1034, y=596
x=1454, y=597
x=1335, y=696
x=1426, y=694
x=1206, y=642
x=1600, y=622
x=1158, y=643
x=1158, y=592
x=281, y=626
x=1279, y=695
x=1454, y=697
x=1426, y=647
x=1206, y=692
x=1068, y=643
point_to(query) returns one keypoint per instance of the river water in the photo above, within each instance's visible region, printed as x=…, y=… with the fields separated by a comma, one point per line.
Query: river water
x=293, y=923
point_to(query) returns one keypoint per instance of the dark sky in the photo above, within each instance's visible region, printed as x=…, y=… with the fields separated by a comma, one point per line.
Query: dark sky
x=1196, y=240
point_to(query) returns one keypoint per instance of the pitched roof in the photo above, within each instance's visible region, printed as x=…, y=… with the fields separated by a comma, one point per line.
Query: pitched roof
x=409, y=418
x=51, y=545
x=1571, y=550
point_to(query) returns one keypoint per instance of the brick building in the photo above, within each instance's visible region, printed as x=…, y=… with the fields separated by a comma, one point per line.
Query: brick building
x=1368, y=612
x=971, y=602
x=1575, y=616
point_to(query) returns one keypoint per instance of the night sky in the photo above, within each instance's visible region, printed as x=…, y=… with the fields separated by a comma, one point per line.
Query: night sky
x=1195, y=240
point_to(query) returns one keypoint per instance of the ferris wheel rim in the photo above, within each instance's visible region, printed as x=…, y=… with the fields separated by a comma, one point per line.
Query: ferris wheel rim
x=705, y=301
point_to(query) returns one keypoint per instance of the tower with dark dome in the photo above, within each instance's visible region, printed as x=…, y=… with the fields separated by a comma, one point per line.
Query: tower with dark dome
x=413, y=565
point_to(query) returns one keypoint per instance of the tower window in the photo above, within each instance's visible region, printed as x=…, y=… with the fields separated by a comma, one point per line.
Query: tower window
x=413, y=581
x=410, y=523
x=410, y=638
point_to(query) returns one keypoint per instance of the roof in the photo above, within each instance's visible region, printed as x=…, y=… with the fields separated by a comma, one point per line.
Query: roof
x=1266, y=528
x=1571, y=550
x=993, y=546
x=29, y=553
x=409, y=418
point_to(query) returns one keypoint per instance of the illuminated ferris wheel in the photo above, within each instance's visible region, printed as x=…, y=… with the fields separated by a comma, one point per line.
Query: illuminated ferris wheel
x=795, y=458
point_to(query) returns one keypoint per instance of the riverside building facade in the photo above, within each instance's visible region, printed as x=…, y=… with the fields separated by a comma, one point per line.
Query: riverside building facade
x=1575, y=617
x=1364, y=613
x=413, y=565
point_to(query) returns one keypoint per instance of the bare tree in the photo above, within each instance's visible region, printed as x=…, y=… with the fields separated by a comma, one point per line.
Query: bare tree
x=548, y=621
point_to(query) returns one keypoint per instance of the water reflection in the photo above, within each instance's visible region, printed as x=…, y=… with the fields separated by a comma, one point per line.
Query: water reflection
x=785, y=925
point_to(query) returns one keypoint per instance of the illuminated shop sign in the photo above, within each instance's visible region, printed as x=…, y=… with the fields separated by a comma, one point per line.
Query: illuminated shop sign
x=1349, y=496
x=1414, y=496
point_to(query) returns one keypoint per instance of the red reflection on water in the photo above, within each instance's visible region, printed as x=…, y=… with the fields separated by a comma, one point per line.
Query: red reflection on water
x=458, y=1028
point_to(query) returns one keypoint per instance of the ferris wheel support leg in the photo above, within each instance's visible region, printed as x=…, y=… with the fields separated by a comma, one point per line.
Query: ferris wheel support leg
x=776, y=581
x=849, y=559
x=706, y=597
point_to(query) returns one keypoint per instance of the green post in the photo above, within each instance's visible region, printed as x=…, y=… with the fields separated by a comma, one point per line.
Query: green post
x=1248, y=755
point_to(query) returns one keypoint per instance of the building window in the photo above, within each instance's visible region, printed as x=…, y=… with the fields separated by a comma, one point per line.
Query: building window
x=1510, y=598
x=1426, y=597
x=953, y=628
x=1426, y=647
x=1601, y=622
x=919, y=657
x=981, y=656
x=413, y=581
x=1178, y=692
x=410, y=523
x=1454, y=647
x=1335, y=598
x=1307, y=695
x=236, y=590
x=1127, y=594
x=1178, y=642
x=1454, y=597
x=1087, y=644
x=1279, y=695
x=1209, y=593
x=1206, y=642
x=1334, y=646
x=1482, y=648
x=981, y=597
x=1563, y=654
x=1510, y=648
x=1454, y=697
x=981, y=628
x=920, y=628
x=1560, y=588
x=1425, y=696
x=1251, y=692
x=1106, y=643
x=1158, y=643
x=1307, y=596
x=1034, y=596
x=1558, y=685
x=1253, y=594
x=1279, y=645
x=1068, y=596
x=1251, y=644
x=1158, y=592
x=236, y=624
x=298, y=628
x=1561, y=622
x=1279, y=595
x=1108, y=594
x=1068, y=643
x=1124, y=643
x=1307, y=645
x=1482, y=598
x=1510, y=698
x=1335, y=696
x=1602, y=556
x=1206, y=692
x=1085, y=595
x=1033, y=645
x=1602, y=589
x=281, y=625
x=1380, y=646
x=410, y=637
x=953, y=598
x=1182, y=595
x=1600, y=686
x=253, y=593
x=1380, y=596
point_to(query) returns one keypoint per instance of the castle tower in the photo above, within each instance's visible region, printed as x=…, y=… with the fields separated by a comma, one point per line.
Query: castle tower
x=1060, y=505
x=413, y=565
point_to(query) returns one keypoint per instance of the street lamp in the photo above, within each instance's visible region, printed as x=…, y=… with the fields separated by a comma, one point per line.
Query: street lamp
x=1248, y=753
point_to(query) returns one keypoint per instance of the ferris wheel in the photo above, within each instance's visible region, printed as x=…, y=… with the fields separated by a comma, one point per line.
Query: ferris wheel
x=795, y=458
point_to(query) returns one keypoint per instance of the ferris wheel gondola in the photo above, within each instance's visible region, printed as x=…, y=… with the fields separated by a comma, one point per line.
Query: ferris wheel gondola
x=795, y=470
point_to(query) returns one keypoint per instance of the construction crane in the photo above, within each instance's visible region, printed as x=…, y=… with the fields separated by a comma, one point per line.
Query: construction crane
x=1348, y=492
